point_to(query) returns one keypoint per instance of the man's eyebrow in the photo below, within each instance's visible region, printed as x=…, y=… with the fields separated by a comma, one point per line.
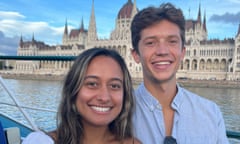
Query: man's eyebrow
x=149, y=37
x=173, y=36
x=155, y=37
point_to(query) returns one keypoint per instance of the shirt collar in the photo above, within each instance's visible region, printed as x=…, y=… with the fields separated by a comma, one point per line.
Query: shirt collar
x=151, y=102
x=178, y=99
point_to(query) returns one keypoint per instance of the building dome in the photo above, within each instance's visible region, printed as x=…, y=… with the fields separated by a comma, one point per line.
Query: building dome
x=126, y=10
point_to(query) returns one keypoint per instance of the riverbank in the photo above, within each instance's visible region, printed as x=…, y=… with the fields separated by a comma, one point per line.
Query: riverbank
x=45, y=77
x=210, y=83
x=136, y=81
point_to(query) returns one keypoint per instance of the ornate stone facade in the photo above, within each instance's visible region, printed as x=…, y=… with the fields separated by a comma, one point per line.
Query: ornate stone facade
x=204, y=59
x=209, y=59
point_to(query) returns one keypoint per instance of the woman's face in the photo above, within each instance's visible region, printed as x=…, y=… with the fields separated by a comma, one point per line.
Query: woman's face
x=100, y=99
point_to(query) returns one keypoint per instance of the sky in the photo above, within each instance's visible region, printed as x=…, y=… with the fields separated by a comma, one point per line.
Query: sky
x=45, y=19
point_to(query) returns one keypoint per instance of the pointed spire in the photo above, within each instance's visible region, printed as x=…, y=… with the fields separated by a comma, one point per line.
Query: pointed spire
x=189, y=12
x=82, y=25
x=204, y=21
x=33, y=40
x=65, y=34
x=66, y=28
x=93, y=12
x=134, y=9
x=199, y=15
x=92, y=29
x=238, y=33
x=21, y=41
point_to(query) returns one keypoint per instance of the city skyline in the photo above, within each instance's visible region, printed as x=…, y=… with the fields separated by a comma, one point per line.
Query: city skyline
x=46, y=20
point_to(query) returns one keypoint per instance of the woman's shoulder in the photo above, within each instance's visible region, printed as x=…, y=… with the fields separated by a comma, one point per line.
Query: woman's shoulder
x=132, y=141
x=136, y=141
x=38, y=137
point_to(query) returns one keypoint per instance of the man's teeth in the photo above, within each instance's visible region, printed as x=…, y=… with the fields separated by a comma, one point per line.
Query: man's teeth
x=101, y=109
x=163, y=63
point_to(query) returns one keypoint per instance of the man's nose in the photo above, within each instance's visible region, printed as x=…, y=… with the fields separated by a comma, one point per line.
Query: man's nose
x=162, y=48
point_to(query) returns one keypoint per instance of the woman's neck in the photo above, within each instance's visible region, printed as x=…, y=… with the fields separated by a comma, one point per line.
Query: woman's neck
x=97, y=135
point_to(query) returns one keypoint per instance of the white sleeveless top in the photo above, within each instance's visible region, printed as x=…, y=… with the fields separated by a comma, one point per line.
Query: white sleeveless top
x=38, y=137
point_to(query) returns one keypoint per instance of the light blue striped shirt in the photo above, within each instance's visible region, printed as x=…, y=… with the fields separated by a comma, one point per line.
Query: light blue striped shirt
x=196, y=119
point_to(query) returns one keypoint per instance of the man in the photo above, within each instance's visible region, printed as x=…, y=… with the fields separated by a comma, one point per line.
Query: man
x=164, y=110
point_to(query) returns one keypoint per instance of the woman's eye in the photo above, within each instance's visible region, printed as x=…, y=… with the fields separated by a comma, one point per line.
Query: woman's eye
x=91, y=84
x=116, y=86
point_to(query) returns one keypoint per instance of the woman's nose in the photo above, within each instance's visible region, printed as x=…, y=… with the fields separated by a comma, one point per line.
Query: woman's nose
x=104, y=94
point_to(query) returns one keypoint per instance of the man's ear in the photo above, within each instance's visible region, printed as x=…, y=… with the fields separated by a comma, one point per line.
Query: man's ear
x=135, y=55
x=183, y=53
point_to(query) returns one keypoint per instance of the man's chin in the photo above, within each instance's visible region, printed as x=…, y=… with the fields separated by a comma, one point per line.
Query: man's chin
x=164, y=78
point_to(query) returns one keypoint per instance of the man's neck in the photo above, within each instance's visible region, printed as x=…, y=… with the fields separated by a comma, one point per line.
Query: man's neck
x=164, y=92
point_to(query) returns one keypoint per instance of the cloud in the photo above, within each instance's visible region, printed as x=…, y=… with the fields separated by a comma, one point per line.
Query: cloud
x=13, y=24
x=226, y=18
x=8, y=45
x=10, y=15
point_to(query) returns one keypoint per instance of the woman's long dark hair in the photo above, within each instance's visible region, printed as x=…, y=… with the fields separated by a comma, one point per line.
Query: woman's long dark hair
x=69, y=125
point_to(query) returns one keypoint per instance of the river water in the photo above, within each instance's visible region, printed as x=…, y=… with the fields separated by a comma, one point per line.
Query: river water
x=46, y=94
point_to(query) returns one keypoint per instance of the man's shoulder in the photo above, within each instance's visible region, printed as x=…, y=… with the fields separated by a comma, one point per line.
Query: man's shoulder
x=201, y=107
x=197, y=99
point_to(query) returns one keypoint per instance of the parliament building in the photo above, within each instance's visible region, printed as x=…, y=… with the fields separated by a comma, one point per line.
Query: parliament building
x=205, y=58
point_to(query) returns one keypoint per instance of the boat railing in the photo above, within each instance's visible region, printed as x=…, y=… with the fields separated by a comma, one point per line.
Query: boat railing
x=17, y=103
x=233, y=134
x=28, y=107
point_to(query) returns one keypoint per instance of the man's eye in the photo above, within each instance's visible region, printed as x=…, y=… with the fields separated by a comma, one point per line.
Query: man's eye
x=150, y=43
x=173, y=41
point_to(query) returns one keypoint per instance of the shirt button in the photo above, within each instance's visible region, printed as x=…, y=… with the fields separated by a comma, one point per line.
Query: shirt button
x=151, y=108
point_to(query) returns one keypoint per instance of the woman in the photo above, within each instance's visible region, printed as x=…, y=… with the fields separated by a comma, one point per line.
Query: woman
x=96, y=105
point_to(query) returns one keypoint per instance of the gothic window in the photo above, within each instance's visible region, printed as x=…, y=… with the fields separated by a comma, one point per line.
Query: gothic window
x=186, y=64
x=194, y=65
x=181, y=66
x=209, y=64
x=216, y=64
x=194, y=52
x=223, y=65
x=202, y=63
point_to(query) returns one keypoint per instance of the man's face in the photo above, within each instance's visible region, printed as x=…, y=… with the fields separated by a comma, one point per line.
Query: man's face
x=160, y=51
